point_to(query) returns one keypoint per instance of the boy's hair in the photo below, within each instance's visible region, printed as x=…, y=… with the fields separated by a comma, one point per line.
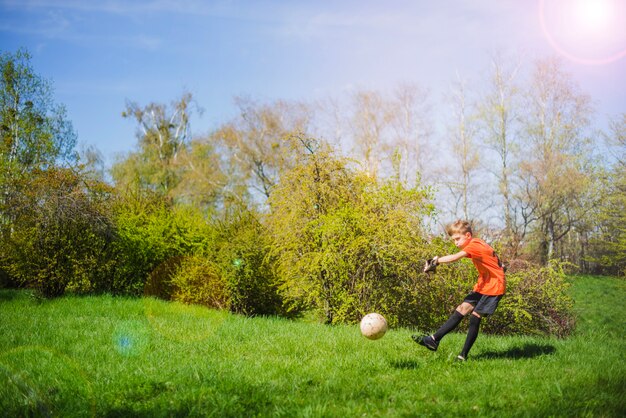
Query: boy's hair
x=460, y=227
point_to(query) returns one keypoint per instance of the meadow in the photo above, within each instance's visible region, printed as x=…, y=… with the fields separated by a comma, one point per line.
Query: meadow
x=113, y=356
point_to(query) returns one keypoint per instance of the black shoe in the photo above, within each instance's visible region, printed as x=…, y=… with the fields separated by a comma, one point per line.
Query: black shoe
x=427, y=341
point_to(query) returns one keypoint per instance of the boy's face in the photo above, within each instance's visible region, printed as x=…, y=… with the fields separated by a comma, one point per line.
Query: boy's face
x=461, y=240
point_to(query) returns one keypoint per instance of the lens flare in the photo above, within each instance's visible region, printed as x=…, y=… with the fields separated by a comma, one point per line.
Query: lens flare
x=593, y=14
x=131, y=338
x=591, y=32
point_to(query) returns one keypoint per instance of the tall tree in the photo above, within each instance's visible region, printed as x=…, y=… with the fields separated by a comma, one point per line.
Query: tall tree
x=556, y=161
x=499, y=113
x=256, y=145
x=464, y=171
x=370, y=121
x=387, y=132
x=203, y=181
x=163, y=133
x=35, y=132
x=609, y=243
x=412, y=129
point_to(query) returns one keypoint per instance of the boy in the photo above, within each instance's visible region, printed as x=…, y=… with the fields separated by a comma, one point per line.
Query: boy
x=487, y=292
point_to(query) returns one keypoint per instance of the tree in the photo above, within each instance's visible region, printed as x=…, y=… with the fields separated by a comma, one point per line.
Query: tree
x=163, y=133
x=556, y=163
x=387, y=132
x=410, y=123
x=498, y=114
x=370, y=121
x=256, y=143
x=466, y=160
x=609, y=243
x=35, y=132
x=202, y=181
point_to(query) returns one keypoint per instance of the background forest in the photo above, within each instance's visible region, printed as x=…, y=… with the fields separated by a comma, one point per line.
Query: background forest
x=325, y=208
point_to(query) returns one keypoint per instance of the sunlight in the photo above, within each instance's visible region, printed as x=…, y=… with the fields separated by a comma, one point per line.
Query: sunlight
x=593, y=15
x=590, y=32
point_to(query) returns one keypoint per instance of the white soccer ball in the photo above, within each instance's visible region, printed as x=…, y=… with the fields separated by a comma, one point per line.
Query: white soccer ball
x=373, y=326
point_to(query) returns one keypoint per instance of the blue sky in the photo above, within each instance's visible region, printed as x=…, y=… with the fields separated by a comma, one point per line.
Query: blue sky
x=101, y=53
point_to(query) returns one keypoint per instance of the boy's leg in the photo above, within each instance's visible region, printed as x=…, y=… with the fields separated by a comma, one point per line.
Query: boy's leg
x=485, y=306
x=453, y=321
x=472, y=333
x=432, y=341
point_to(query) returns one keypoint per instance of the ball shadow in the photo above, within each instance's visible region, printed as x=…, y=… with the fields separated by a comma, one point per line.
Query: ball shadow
x=404, y=364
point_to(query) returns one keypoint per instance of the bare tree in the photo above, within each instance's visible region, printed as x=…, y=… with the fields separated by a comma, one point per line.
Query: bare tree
x=370, y=121
x=499, y=114
x=463, y=164
x=557, y=154
x=257, y=142
x=412, y=129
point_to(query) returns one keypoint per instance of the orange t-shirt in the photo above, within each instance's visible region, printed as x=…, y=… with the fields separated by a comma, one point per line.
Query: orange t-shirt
x=491, y=279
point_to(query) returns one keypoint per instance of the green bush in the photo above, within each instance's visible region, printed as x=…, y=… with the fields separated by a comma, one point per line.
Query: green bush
x=536, y=302
x=61, y=235
x=199, y=281
x=234, y=272
x=152, y=236
x=248, y=270
x=345, y=244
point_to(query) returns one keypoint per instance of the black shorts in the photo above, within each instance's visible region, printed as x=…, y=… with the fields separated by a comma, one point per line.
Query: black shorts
x=483, y=304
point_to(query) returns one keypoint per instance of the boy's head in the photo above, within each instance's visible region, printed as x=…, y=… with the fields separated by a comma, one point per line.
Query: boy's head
x=461, y=232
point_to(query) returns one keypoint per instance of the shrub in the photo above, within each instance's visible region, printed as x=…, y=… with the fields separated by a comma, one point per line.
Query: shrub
x=248, y=270
x=345, y=244
x=199, y=281
x=151, y=237
x=233, y=272
x=536, y=302
x=61, y=237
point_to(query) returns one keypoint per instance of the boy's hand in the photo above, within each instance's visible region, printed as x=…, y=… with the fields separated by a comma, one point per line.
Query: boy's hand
x=431, y=265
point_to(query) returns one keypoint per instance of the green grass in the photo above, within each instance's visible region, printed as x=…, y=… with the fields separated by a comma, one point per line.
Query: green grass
x=105, y=356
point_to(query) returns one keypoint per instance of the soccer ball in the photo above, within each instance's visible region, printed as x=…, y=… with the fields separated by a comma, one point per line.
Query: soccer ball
x=373, y=326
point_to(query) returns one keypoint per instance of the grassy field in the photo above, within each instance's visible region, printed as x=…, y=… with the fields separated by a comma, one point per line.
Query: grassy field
x=105, y=356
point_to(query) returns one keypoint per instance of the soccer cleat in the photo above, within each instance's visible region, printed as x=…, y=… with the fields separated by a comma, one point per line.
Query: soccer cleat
x=460, y=358
x=427, y=341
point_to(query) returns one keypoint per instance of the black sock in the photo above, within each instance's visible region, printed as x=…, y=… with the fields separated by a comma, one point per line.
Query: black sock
x=450, y=324
x=472, y=333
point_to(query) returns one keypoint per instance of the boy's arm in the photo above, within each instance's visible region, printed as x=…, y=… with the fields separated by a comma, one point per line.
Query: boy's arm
x=431, y=265
x=452, y=257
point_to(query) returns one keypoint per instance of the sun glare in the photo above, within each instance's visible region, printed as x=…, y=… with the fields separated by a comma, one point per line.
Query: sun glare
x=587, y=31
x=593, y=14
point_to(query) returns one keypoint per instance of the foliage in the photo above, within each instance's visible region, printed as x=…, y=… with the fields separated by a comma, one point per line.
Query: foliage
x=163, y=133
x=536, y=302
x=344, y=243
x=35, y=132
x=254, y=143
x=61, y=239
x=241, y=250
x=233, y=271
x=202, y=182
x=608, y=246
x=152, y=236
x=198, y=280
